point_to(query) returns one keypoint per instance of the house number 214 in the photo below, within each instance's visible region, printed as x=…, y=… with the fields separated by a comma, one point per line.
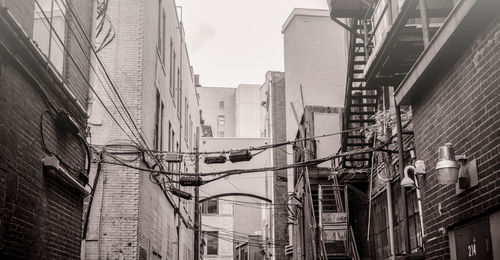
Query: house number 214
x=472, y=249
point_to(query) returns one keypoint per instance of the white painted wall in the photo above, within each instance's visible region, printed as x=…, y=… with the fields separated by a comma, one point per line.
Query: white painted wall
x=327, y=123
x=316, y=58
x=247, y=111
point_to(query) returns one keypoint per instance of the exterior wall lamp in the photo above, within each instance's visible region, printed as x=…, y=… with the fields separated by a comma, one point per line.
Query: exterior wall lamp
x=448, y=167
x=456, y=169
x=419, y=171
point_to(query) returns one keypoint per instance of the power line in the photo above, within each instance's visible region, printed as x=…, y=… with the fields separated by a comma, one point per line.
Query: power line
x=74, y=62
x=222, y=174
x=267, y=146
x=90, y=86
x=102, y=70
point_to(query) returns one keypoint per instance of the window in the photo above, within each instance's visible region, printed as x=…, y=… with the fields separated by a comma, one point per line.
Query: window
x=170, y=136
x=221, y=120
x=186, y=117
x=179, y=98
x=210, y=206
x=212, y=242
x=190, y=132
x=49, y=22
x=162, y=22
x=172, y=69
x=221, y=105
x=158, y=135
x=158, y=44
x=380, y=227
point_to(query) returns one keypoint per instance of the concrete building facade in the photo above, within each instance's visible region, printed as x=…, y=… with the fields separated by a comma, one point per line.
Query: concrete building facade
x=315, y=66
x=133, y=212
x=231, y=112
x=41, y=203
x=218, y=110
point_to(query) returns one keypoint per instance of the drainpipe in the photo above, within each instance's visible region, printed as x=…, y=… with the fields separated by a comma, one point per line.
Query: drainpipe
x=90, y=101
x=425, y=22
x=406, y=233
x=90, y=98
x=388, y=191
x=179, y=103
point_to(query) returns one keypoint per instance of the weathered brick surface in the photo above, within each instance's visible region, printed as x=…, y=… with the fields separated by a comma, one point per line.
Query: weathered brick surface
x=462, y=107
x=280, y=189
x=147, y=225
x=40, y=215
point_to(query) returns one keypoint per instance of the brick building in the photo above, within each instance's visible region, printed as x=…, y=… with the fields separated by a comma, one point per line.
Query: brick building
x=437, y=60
x=273, y=125
x=459, y=105
x=44, y=68
x=133, y=211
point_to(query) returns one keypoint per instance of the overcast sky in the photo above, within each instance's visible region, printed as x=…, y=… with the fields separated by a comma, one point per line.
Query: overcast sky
x=231, y=42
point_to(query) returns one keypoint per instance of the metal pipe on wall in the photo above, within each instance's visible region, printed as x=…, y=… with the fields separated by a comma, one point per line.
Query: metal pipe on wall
x=406, y=234
x=388, y=192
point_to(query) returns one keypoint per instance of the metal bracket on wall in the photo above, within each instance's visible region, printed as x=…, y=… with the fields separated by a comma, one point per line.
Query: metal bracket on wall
x=471, y=178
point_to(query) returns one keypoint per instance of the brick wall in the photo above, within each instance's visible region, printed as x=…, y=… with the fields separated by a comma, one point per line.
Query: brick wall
x=40, y=214
x=462, y=107
x=280, y=188
x=114, y=215
x=77, y=65
x=147, y=225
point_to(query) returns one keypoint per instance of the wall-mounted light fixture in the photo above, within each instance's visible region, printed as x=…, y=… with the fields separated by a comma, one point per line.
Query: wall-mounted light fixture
x=456, y=169
x=447, y=166
x=419, y=175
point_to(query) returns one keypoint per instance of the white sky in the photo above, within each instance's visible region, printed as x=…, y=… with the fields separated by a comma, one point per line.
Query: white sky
x=233, y=42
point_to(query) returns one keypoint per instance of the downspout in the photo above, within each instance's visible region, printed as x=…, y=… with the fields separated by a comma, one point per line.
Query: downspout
x=406, y=233
x=388, y=191
x=93, y=36
x=90, y=101
x=303, y=237
x=180, y=139
x=390, y=167
x=89, y=208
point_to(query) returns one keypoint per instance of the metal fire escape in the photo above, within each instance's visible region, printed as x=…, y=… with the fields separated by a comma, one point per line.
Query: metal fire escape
x=361, y=100
x=333, y=222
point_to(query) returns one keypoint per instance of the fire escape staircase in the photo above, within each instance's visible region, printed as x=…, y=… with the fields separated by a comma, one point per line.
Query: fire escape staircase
x=361, y=100
x=335, y=234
